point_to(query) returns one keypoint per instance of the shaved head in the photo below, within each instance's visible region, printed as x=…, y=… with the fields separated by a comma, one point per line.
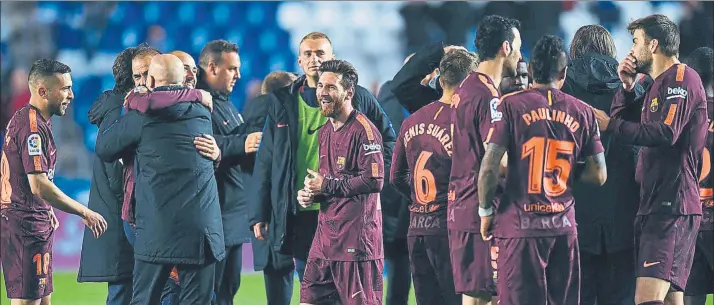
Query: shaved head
x=189, y=66
x=165, y=69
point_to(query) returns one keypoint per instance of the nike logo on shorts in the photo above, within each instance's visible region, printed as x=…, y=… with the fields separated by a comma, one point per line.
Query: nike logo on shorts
x=646, y=264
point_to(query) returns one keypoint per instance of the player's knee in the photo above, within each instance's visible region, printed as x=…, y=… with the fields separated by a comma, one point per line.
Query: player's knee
x=476, y=298
x=650, y=289
x=26, y=302
x=47, y=300
x=674, y=298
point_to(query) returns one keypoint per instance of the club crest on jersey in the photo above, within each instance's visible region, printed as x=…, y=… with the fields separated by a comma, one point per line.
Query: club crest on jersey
x=677, y=92
x=340, y=163
x=654, y=105
x=34, y=145
x=495, y=114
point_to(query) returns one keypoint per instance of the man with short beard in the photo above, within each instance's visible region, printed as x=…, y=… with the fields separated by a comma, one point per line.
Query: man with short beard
x=293, y=118
x=219, y=70
x=345, y=263
x=498, y=42
x=672, y=132
x=27, y=191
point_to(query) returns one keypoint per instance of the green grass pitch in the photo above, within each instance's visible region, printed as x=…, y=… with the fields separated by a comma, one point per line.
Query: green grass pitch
x=69, y=292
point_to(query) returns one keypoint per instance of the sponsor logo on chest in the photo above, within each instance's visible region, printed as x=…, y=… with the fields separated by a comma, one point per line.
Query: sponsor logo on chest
x=371, y=148
x=676, y=92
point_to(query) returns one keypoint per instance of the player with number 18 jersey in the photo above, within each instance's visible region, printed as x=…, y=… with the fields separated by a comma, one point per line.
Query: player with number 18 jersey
x=27, y=233
x=420, y=170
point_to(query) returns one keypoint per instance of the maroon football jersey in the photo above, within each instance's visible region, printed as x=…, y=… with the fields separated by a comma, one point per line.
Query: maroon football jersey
x=706, y=178
x=421, y=165
x=672, y=131
x=349, y=225
x=29, y=149
x=545, y=132
x=474, y=104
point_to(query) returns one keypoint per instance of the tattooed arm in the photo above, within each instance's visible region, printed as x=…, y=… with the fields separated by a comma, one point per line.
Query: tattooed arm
x=489, y=174
x=595, y=169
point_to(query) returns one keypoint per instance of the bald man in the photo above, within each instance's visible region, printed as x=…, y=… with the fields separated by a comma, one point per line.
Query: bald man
x=189, y=66
x=175, y=190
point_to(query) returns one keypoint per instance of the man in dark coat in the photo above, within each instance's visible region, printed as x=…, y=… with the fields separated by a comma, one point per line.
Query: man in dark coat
x=219, y=70
x=109, y=258
x=288, y=148
x=177, y=211
x=605, y=215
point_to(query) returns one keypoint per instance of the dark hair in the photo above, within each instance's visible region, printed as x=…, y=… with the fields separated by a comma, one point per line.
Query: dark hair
x=661, y=28
x=548, y=59
x=144, y=49
x=592, y=39
x=276, y=80
x=702, y=61
x=121, y=70
x=43, y=68
x=213, y=50
x=344, y=68
x=491, y=33
x=455, y=66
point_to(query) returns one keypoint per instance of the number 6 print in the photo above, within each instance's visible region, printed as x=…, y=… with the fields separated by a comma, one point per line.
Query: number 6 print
x=424, y=184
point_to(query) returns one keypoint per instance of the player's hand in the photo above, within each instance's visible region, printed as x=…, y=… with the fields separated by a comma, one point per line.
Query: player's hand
x=54, y=222
x=313, y=181
x=252, y=142
x=258, y=230
x=139, y=90
x=486, y=227
x=602, y=118
x=627, y=72
x=206, y=99
x=95, y=222
x=305, y=198
x=207, y=147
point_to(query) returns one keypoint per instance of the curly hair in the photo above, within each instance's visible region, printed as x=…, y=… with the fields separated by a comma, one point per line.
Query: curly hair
x=548, y=59
x=491, y=33
x=592, y=38
x=122, y=70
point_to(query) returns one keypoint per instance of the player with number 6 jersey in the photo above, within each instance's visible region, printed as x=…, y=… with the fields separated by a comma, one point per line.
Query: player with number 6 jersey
x=544, y=132
x=421, y=167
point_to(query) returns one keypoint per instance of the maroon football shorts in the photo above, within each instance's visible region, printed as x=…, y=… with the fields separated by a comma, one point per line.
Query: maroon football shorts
x=26, y=245
x=474, y=269
x=539, y=270
x=431, y=270
x=701, y=279
x=342, y=282
x=664, y=247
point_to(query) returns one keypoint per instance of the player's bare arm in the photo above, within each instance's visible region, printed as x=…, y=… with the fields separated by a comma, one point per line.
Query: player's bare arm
x=595, y=169
x=487, y=182
x=44, y=188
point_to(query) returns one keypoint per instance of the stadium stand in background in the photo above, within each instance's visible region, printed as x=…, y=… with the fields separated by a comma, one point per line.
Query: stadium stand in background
x=374, y=36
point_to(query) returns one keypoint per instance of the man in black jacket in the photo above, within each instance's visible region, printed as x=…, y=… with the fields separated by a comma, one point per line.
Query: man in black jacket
x=605, y=215
x=219, y=70
x=109, y=258
x=289, y=147
x=176, y=193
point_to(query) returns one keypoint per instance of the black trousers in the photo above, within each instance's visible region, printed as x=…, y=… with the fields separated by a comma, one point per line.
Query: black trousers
x=228, y=275
x=196, y=282
x=279, y=285
x=607, y=278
